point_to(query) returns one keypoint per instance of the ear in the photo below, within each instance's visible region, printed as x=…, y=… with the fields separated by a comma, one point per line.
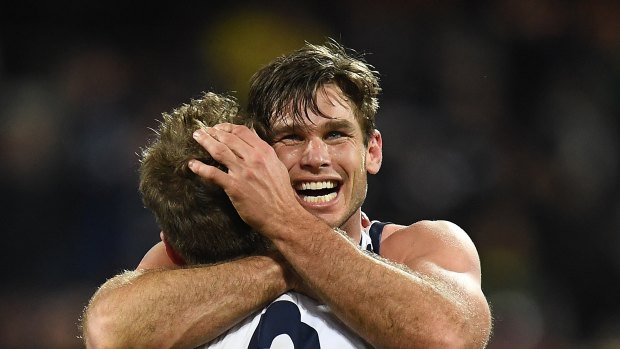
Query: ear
x=174, y=256
x=374, y=152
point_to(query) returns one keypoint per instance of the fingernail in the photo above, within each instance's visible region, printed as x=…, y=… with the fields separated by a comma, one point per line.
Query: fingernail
x=196, y=134
x=191, y=164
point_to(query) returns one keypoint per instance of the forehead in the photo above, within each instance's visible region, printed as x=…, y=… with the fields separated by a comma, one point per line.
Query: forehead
x=333, y=107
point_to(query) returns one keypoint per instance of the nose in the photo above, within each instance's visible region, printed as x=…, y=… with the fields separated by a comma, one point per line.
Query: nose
x=316, y=154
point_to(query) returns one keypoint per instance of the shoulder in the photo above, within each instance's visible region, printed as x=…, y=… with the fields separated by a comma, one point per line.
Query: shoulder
x=426, y=231
x=440, y=242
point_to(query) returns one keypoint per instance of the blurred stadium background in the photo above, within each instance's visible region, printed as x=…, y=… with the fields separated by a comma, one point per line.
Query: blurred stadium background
x=502, y=116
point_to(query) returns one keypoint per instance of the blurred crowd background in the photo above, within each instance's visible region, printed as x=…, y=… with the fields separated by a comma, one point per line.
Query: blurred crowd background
x=502, y=116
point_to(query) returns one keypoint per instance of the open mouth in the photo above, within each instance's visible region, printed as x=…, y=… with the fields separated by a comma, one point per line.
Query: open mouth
x=317, y=192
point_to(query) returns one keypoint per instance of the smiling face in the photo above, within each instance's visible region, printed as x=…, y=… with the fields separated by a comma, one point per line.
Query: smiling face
x=327, y=160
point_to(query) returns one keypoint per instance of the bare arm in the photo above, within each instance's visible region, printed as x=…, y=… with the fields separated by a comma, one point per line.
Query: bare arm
x=179, y=308
x=431, y=299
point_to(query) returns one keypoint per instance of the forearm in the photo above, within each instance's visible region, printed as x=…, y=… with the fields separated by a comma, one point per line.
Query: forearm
x=389, y=306
x=180, y=308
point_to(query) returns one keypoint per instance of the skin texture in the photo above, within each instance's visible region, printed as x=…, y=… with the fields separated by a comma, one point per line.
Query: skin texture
x=332, y=149
x=432, y=299
x=423, y=291
x=175, y=308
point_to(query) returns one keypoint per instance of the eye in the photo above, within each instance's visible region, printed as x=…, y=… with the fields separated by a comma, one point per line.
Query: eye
x=334, y=135
x=290, y=138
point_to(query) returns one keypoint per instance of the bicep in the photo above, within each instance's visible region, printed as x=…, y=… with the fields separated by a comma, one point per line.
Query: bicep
x=443, y=255
x=437, y=249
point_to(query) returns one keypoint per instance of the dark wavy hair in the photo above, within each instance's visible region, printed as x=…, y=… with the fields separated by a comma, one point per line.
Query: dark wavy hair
x=288, y=85
x=197, y=216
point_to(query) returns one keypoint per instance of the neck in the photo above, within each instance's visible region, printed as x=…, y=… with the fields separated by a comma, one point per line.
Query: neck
x=353, y=226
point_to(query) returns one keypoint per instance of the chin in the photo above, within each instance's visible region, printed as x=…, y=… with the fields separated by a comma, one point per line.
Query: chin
x=328, y=219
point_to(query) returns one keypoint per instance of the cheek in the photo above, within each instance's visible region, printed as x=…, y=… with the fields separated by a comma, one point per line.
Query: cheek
x=350, y=160
x=289, y=156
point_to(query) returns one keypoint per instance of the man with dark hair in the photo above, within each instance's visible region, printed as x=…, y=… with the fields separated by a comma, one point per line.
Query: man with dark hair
x=303, y=191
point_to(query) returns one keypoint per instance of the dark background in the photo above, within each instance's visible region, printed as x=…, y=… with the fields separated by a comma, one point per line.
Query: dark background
x=502, y=116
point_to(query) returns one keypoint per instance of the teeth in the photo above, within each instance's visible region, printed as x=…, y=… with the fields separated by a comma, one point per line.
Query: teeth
x=318, y=185
x=319, y=199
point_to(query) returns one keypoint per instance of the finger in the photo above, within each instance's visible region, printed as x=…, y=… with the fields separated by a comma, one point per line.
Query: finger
x=225, y=126
x=246, y=134
x=218, y=150
x=210, y=173
x=237, y=145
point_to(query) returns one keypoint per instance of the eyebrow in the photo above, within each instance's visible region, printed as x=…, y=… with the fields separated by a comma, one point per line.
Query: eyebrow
x=340, y=124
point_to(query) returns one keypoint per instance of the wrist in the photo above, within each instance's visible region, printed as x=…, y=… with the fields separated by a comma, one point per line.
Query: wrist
x=274, y=268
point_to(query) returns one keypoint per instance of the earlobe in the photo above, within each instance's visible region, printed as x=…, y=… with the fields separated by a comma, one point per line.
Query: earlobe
x=374, y=152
